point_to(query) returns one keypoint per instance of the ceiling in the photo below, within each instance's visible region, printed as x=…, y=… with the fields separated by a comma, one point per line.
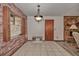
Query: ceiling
x=50, y=9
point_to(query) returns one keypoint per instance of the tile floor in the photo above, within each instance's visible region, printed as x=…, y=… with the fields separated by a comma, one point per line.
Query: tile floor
x=70, y=47
x=41, y=48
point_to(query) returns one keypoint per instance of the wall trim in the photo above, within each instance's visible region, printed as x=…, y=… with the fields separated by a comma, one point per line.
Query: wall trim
x=59, y=40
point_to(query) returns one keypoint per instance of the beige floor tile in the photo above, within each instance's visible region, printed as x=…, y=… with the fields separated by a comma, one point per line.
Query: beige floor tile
x=45, y=48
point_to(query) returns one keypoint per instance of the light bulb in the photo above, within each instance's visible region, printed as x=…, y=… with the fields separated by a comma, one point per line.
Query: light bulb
x=38, y=18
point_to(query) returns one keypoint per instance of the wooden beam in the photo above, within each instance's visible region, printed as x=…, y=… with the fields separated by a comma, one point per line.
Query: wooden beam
x=6, y=24
x=23, y=26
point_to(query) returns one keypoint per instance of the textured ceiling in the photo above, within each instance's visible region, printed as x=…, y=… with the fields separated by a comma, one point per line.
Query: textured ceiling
x=50, y=9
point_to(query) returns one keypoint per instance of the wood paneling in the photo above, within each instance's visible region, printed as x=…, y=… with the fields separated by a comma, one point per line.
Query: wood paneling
x=49, y=30
x=6, y=20
x=16, y=10
x=6, y=24
x=23, y=26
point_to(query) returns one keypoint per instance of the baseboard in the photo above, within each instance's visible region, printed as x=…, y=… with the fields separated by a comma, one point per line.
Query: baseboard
x=53, y=40
x=30, y=40
x=59, y=40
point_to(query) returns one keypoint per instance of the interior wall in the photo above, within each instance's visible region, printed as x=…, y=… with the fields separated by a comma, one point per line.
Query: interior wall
x=34, y=28
x=58, y=26
x=38, y=29
x=1, y=25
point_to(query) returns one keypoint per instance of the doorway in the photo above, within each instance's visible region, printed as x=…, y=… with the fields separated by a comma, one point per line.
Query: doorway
x=49, y=30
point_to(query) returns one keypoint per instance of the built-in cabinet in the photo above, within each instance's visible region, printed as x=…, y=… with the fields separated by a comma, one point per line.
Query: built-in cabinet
x=68, y=21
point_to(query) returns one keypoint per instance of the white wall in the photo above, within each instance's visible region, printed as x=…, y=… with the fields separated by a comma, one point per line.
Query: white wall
x=58, y=26
x=36, y=29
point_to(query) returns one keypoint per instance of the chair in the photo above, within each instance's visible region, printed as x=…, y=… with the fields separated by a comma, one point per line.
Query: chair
x=76, y=37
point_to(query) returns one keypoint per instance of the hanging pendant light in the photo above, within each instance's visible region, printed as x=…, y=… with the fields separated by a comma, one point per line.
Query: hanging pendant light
x=38, y=17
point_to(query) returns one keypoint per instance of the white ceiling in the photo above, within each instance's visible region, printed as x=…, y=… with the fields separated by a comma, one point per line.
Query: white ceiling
x=50, y=9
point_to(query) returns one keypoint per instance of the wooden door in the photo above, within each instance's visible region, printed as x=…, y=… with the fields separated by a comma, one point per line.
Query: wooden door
x=49, y=30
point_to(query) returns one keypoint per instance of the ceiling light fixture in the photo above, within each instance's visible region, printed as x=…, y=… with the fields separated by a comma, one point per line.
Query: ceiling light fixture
x=38, y=17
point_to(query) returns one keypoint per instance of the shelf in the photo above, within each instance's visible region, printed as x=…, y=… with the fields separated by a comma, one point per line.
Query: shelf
x=68, y=20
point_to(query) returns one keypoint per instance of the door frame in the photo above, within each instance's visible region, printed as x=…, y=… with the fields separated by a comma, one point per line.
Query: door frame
x=53, y=28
